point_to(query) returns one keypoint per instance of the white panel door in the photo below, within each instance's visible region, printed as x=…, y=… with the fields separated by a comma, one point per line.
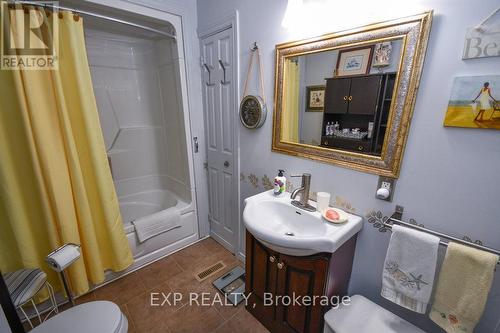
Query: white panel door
x=218, y=95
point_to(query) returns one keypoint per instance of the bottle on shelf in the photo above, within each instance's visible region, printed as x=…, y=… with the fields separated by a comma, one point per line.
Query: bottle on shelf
x=370, y=129
x=336, y=126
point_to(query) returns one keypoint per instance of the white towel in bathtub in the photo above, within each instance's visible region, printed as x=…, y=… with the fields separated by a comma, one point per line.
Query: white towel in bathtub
x=157, y=223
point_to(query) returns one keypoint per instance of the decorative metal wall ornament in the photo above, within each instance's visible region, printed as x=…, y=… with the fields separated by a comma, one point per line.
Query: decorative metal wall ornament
x=382, y=55
x=267, y=183
x=377, y=219
x=344, y=204
x=468, y=239
x=254, y=180
x=253, y=109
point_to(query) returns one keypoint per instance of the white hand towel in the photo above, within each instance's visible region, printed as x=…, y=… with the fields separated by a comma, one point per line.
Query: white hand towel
x=409, y=268
x=152, y=225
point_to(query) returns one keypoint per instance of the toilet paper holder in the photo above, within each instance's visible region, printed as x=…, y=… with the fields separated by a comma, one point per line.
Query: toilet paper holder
x=52, y=263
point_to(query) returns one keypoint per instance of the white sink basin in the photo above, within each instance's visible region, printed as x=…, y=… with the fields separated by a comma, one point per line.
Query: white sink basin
x=293, y=231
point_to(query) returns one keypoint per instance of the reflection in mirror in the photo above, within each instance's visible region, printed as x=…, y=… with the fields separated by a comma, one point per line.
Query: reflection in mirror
x=347, y=98
x=341, y=98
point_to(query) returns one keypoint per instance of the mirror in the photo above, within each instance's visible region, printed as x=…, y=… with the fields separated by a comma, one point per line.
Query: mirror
x=347, y=98
x=339, y=99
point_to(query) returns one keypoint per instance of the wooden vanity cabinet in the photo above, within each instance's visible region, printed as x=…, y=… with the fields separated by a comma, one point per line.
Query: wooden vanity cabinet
x=336, y=95
x=260, y=278
x=277, y=274
x=357, y=95
x=354, y=102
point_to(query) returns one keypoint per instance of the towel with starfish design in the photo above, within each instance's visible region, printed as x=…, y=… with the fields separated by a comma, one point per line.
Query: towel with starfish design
x=409, y=268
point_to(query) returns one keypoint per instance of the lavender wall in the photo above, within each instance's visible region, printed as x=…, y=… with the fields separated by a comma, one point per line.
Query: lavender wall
x=449, y=178
x=4, y=325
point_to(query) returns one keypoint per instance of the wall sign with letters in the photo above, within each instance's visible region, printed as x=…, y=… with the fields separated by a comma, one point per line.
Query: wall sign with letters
x=479, y=44
x=483, y=40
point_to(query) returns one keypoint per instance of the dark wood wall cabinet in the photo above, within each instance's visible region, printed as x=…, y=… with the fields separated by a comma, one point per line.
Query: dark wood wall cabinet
x=271, y=275
x=353, y=102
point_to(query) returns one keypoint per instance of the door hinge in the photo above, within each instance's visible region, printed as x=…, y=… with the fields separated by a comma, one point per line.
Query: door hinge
x=196, y=146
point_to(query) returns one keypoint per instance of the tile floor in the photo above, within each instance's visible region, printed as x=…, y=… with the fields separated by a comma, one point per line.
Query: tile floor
x=176, y=273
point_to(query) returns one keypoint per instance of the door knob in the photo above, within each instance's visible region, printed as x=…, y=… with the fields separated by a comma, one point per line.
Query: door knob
x=350, y=98
x=272, y=259
x=281, y=265
x=226, y=164
x=345, y=98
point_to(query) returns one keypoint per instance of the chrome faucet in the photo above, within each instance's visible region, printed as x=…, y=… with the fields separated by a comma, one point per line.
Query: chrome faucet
x=303, y=203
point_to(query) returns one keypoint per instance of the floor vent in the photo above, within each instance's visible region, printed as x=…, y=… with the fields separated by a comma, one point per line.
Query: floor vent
x=209, y=271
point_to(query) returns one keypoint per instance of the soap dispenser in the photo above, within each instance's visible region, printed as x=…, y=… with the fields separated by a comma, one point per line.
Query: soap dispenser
x=279, y=183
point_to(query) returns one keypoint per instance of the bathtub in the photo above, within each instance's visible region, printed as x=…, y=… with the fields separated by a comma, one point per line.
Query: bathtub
x=149, y=202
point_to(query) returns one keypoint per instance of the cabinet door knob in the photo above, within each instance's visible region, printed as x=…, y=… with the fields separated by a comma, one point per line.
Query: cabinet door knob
x=350, y=98
x=272, y=259
x=281, y=265
x=345, y=98
x=360, y=148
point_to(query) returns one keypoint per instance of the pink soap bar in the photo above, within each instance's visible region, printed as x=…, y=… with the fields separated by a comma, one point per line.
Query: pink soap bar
x=332, y=215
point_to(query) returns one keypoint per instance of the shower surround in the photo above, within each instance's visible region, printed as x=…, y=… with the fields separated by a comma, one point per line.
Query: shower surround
x=136, y=78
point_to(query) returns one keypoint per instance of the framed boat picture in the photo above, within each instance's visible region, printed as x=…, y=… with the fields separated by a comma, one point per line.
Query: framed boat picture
x=354, y=61
x=315, y=98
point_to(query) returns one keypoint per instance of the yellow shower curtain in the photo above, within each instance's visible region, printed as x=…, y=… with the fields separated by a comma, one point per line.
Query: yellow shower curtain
x=291, y=98
x=55, y=182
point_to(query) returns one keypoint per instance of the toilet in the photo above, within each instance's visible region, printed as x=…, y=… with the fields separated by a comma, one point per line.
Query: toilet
x=95, y=317
x=364, y=316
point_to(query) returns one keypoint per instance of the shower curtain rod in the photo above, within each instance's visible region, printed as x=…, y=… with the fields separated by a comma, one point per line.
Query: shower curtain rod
x=104, y=17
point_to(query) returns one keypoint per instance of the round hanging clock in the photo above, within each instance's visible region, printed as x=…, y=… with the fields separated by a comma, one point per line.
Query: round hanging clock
x=253, y=111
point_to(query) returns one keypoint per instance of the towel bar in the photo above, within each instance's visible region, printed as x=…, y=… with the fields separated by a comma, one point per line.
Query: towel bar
x=396, y=218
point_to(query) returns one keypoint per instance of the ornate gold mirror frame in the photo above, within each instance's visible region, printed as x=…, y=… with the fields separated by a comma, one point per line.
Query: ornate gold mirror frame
x=414, y=32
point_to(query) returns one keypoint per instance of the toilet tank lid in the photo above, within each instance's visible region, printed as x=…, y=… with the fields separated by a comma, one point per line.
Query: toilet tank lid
x=96, y=317
x=364, y=316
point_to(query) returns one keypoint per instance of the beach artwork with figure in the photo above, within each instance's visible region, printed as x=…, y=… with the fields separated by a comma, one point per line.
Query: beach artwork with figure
x=474, y=102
